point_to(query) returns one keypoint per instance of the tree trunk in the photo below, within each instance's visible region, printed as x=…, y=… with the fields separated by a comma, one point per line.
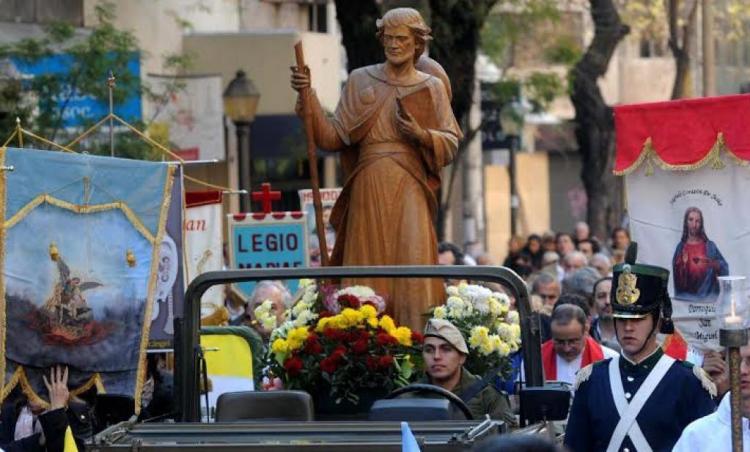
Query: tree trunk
x=595, y=123
x=357, y=22
x=681, y=45
x=456, y=27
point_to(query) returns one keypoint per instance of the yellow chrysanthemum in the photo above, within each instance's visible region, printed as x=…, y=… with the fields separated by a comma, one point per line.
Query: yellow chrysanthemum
x=503, y=349
x=373, y=322
x=439, y=312
x=351, y=317
x=368, y=311
x=386, y=322
x=479, y=334
x=323, y=324
x=403, y=335
x=297, y=337
x=515, y=332
x=280, y=346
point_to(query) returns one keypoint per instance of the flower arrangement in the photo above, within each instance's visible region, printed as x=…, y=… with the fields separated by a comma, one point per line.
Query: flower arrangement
x=492, y=331
x=341, y=339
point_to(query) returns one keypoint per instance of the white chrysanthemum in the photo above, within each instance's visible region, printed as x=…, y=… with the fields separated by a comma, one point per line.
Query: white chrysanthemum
x=513, y=318
x=503, y=299
x=357, y=291
x=482, y=305
x=439, y=312
x=281, y=331
x=452, y=291
x=268, y=322
x=455, y=304
x=505, y=331
x=305, y=318
x=300, y=307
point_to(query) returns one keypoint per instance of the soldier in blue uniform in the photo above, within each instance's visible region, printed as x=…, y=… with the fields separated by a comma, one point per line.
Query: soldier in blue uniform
x=642, y=399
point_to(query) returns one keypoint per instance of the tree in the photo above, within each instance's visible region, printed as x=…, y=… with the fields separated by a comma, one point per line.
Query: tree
x=594, y=119
x=676, y=22
x=42, y=102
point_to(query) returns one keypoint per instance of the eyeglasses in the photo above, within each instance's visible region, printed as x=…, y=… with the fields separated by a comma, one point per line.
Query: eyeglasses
x=547, y=296
x=569, y=342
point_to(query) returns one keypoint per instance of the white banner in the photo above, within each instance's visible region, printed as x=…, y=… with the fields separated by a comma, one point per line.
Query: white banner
x=697, y=225
x=328, y=197
x=203, y=226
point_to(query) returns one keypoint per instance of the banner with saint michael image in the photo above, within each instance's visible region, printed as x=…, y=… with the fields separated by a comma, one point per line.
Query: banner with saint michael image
x=80, y=243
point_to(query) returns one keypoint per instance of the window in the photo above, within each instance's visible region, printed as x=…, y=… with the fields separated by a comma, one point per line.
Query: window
x=317, y=17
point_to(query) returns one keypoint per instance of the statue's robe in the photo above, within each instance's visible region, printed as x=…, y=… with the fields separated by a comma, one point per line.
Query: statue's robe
x=385, y=213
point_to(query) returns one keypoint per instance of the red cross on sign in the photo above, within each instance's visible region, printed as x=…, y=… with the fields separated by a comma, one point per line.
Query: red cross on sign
x=266, y=196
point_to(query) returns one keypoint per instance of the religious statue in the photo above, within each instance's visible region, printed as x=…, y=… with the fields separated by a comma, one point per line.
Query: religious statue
x=395, y=131
x=697, y=261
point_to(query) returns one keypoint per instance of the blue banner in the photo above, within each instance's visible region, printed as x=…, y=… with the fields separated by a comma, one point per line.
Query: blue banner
x=79, y=270
x=83, y=109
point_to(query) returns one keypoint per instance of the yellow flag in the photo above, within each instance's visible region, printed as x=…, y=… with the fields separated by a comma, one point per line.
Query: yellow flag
x=70, y=442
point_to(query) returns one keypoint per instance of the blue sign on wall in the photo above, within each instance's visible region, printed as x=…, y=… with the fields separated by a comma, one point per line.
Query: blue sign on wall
x=83, y=109
x=268, y=245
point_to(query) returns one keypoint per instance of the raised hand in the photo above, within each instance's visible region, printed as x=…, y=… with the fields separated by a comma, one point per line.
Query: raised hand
x=300, y=78
x=57, y=387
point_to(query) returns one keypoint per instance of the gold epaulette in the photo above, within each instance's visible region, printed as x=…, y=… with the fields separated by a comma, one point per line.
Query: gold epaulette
x=583, y=374
x=705, y=379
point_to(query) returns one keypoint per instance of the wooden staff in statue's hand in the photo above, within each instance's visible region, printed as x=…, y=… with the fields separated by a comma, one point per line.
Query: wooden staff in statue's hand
x=301, y=83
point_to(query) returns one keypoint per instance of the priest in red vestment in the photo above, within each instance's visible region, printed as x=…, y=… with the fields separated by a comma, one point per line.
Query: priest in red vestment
x=571, y=348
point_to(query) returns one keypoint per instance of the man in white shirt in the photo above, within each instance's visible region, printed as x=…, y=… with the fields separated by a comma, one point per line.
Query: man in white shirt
x=714, y=432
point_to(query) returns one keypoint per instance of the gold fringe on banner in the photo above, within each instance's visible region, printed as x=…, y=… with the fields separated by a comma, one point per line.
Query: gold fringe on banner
x=650, y=156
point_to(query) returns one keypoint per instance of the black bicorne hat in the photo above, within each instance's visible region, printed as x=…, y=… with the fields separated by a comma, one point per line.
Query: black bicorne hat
x=640, y=289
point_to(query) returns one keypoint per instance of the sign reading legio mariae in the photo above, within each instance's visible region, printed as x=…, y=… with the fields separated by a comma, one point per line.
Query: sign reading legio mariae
x=274, y=240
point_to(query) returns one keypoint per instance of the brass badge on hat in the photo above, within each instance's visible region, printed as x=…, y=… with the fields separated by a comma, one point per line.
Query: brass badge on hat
x=627, y=293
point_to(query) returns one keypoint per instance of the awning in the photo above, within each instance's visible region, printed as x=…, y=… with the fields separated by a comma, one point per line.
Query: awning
x=682, y=135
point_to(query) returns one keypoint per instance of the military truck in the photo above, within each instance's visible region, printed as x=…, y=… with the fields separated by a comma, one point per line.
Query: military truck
x=538, y=403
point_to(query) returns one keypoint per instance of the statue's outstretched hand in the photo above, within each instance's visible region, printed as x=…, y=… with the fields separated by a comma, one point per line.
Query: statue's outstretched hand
x=410, y=129
x=300, y=78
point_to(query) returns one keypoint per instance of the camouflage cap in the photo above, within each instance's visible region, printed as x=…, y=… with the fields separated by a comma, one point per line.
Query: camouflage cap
x=448, y=332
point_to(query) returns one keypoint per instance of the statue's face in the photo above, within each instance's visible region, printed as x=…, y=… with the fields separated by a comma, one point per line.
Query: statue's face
x=399, y=45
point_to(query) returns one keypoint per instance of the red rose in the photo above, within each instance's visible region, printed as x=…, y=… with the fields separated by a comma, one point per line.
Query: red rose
x=312, y=345
x=329, y=365
x=338, y=353
x=385, y=361
x=360, y=346
x=417, y=337
x=332, y=334
x=372, y=363
x=293, y=366
x=348, y=301
x=384, y=338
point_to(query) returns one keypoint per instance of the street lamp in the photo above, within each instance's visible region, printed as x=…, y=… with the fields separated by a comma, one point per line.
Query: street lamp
x=512, y=117
x=240, y=104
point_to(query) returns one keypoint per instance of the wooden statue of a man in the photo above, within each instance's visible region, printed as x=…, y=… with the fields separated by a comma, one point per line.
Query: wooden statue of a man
x=395, y=129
